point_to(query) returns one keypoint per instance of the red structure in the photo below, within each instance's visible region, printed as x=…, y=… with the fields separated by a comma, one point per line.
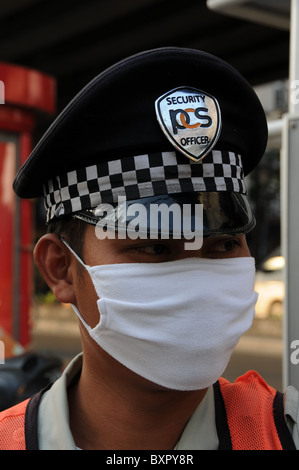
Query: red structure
x=23, y=93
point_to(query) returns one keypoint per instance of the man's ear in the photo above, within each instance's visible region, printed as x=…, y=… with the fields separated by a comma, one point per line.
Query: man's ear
x=56, y=265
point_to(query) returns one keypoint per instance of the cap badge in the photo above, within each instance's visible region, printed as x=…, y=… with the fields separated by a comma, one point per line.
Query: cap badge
x=190, y=119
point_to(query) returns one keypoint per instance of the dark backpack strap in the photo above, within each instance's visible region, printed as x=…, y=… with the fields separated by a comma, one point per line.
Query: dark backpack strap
x=222, y=428
x=31, y=420
x=283, y=431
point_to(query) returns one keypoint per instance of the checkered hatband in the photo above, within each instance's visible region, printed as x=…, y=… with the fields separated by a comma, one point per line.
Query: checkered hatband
x=141, y=176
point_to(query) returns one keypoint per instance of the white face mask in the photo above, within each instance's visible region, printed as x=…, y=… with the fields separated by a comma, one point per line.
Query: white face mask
x=174, y=323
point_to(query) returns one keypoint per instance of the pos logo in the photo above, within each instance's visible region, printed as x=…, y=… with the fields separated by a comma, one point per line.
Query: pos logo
x=190, y=119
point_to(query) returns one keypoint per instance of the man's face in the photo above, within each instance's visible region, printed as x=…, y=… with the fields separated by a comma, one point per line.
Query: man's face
x=71, y=282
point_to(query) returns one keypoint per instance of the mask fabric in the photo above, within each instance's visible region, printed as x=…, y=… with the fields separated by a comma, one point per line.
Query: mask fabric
x=174, y=323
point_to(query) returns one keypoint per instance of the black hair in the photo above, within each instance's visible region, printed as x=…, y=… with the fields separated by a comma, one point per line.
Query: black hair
x=72, y=230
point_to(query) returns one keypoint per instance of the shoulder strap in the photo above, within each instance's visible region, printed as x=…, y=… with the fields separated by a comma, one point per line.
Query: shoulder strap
x=31, y=420
x=224, y=437
x=250, y=415
x=284, y=433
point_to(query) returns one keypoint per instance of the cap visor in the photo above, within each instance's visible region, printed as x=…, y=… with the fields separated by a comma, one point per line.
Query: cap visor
x=174, y=216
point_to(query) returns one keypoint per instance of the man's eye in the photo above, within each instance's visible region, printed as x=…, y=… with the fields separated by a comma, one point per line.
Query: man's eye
x=226, y=245
x=156, y=249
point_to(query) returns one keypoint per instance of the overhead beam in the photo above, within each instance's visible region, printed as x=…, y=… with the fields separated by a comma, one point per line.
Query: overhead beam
x=67, y=25
x=179, y=28
x=12, y=7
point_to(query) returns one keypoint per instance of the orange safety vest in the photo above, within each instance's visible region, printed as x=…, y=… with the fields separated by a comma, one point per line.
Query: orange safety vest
x=249, y=416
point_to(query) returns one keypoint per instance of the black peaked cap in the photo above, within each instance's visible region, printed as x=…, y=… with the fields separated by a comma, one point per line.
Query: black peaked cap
x=113, y=116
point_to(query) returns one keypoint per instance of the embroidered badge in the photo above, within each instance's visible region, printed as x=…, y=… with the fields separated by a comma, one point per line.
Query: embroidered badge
x=190, y=119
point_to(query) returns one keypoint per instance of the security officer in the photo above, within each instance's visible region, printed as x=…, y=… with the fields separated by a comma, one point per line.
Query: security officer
x=143, y=180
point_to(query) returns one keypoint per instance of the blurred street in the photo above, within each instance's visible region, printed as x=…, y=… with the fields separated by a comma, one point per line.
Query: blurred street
x=259, y=349
x=56, y=330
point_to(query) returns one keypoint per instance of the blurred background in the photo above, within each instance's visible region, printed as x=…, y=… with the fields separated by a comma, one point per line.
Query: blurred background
x=48, y=52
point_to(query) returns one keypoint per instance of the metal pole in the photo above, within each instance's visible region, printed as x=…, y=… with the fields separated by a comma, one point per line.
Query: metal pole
x=290, y=211
x=294, y=59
